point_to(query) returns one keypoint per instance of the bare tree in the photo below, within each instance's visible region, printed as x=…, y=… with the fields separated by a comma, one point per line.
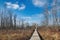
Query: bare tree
x=2, y=19
x=22, y=20
x=22, y=23
x=19, y=24
x=15, y=21
x=54, y=11
x=27, y=24
x=10, y=19
x=46, y=14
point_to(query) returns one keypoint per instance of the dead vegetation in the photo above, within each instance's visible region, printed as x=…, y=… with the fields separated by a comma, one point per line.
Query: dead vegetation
x=49, y=33
x=19, y=34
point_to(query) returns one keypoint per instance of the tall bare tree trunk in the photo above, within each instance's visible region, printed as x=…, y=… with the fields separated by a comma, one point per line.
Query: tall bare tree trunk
x=54, y=11
x=15, y=21
x=2, y=19
x=46, y=14
x=11, y=22
x=22, y=23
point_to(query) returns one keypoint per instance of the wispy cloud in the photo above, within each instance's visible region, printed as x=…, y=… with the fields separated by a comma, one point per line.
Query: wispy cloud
x=25, y=17
x=15, y=6
x=38, y=3
x=22, y=7
x=36, y=18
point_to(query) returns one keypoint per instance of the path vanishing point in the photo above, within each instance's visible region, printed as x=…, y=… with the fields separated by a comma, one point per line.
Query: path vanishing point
x=35, y=36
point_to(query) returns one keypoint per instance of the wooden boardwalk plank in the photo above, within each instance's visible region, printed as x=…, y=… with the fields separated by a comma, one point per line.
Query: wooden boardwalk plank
x=35, y=36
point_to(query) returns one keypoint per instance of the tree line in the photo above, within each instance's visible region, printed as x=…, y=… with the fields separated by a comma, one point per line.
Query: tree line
x=7, y=19
x=53, y=13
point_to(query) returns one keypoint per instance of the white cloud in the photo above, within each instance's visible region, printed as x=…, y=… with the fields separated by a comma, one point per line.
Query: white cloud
x=37, y=18
x=41, y=15
x=22, y=7
x=8, y=3
x=26, y=17
x=15, y=6
x=38, y=3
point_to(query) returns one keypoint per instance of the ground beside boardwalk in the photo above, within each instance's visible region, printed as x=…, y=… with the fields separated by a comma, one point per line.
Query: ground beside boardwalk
x=49, y=33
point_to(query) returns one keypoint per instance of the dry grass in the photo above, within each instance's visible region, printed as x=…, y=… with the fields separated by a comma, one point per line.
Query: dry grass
x=49, y=33
x=23, y=34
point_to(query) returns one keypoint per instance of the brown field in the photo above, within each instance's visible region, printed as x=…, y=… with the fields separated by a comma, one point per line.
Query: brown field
x=19, y=34
x=49, y=33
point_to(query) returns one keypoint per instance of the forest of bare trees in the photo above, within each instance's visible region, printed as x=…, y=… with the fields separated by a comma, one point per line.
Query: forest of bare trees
x=54, y=12
x=8, y=20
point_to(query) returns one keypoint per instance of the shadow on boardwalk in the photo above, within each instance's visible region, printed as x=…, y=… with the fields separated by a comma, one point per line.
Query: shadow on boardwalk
x=40, y=36
x=36, y=36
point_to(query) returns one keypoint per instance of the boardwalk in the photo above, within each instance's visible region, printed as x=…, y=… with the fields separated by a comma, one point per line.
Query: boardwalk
x=35, y=36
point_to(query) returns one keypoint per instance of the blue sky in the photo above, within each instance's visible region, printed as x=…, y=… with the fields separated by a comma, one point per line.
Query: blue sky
x=29, y=10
